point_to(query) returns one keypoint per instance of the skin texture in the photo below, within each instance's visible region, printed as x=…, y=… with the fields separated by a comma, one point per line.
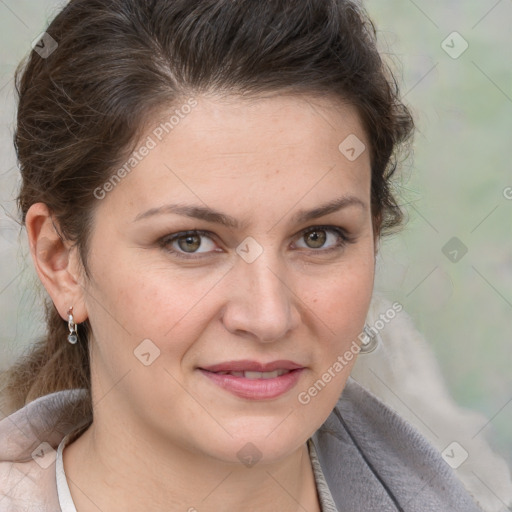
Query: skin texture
x=164, y=437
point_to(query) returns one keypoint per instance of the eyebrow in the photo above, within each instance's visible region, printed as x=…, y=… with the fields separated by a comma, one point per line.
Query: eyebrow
x=214, y=216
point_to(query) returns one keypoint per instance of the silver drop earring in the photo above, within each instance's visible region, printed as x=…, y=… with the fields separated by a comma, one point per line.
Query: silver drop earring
x=371, y=341
x=72, y=337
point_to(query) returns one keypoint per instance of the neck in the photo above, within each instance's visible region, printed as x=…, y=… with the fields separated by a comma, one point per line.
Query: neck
x=107, y=471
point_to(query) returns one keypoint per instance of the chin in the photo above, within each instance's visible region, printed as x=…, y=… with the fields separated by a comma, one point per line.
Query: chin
x=258, y=445
x=250, y=452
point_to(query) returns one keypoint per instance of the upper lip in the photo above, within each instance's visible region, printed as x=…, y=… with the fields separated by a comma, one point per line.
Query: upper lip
x=252, y=366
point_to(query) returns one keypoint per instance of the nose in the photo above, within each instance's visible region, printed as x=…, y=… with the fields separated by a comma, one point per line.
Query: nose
x=262, y=304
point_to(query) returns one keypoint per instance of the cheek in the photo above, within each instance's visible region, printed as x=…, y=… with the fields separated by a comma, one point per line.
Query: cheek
x=157, y=303
x=343, y=301
x=342, y=307
x=340, y=310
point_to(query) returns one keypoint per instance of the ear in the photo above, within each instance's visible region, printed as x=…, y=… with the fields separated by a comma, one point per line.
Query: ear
x=376, y=243
x=377, y=224
x=56, y=262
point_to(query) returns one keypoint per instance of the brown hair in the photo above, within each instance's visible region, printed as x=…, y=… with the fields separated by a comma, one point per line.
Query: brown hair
x=83, y=107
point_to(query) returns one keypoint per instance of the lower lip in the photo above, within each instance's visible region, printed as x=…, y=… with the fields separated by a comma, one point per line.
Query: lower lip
x=256, y=389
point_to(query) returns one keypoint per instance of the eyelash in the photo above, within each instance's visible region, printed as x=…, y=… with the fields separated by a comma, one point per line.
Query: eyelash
x=166, y=241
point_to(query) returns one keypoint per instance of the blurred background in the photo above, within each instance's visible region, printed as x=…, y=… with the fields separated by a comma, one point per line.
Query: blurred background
x=451, y=267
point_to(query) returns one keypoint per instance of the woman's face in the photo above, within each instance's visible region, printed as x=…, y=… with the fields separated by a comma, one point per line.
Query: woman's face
x=212, y=342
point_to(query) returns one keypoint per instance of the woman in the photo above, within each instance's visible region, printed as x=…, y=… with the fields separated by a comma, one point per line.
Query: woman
x=204, y=185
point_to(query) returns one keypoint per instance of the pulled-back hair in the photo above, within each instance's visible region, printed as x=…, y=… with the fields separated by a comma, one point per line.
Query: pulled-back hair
x=83, y=107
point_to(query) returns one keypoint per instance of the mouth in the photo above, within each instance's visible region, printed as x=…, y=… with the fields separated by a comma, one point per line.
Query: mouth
x=255, y=381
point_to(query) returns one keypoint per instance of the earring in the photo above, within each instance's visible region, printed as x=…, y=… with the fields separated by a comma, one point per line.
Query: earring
x=370, y=341
x=72, y=337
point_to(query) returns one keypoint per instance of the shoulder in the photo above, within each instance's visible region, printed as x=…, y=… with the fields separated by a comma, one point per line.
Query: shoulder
x=46, y=419
x=371, y=455
x=27, y=486
x=28, y=442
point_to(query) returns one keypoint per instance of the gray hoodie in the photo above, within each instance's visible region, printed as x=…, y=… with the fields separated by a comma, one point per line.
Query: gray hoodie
x=365, y=456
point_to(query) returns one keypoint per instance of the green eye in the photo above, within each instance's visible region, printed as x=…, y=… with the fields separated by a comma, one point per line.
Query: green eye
x=317, y=237
x=195, y=244
x=188, y=242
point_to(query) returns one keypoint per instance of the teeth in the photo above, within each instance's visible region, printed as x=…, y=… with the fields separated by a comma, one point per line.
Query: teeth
x=265, y=375
x=257, y=375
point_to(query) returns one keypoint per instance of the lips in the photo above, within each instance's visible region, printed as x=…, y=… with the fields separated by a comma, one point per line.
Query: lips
x=252, y=366
x=254, y=380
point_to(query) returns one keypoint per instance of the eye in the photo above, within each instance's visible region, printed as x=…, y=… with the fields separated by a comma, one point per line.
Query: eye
x=197, y=244
x=187, y=243
x=326, y=238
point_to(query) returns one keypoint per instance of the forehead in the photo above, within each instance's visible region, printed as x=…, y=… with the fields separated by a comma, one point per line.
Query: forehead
x=248, y=153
